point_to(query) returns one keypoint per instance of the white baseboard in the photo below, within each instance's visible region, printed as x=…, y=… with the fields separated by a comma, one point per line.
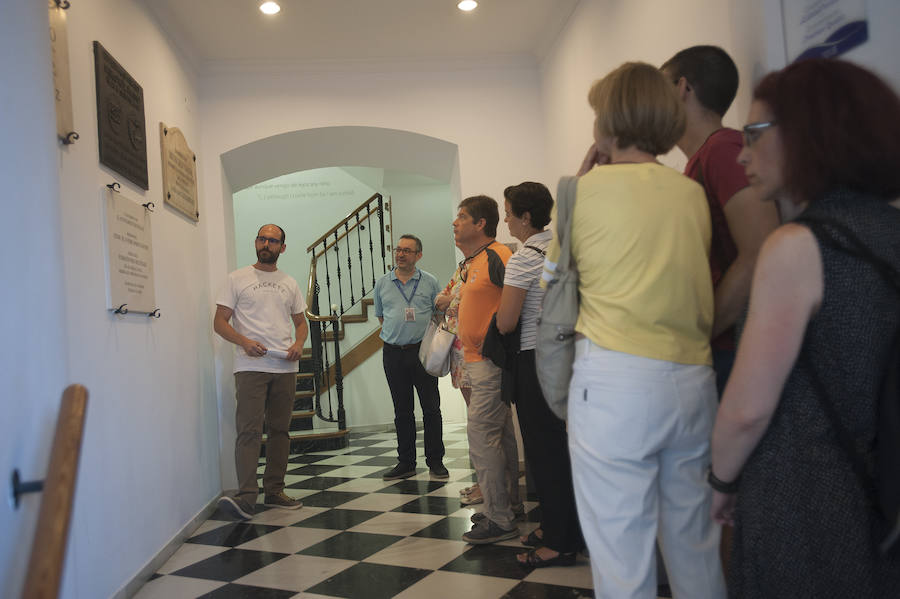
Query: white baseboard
x=134, y=585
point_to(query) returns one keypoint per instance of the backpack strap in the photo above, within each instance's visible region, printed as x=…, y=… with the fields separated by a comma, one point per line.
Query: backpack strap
x=537, y=249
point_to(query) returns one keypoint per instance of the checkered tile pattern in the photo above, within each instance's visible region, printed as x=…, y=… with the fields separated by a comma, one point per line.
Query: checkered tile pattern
x=361, y=537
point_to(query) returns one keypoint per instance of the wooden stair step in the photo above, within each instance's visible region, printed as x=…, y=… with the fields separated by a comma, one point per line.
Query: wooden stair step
x=301, y=414
x=354, y=318
x=314, y=434
x=314, y=440
x=305, y=375
x=304, y=394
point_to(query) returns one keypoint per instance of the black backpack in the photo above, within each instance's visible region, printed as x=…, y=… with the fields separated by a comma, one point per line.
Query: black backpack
x=881, y=477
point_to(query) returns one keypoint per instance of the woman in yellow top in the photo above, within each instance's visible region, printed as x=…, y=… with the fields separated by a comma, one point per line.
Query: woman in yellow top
x=642, y=398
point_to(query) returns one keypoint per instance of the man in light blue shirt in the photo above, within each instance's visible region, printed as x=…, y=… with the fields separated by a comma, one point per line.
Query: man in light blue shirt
x=404, y=300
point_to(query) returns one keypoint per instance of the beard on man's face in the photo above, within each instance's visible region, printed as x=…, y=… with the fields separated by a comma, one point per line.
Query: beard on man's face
x=266, y=256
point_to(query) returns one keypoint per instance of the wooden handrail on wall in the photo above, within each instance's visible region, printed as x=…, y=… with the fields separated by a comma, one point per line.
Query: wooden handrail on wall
x=48, y=551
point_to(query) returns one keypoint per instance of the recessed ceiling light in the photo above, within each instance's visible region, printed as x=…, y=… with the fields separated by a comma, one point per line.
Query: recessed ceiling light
x=467, y=5
x=269, y=8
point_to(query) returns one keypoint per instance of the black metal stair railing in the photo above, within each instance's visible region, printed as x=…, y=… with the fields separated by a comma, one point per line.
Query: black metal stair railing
x=325, y=329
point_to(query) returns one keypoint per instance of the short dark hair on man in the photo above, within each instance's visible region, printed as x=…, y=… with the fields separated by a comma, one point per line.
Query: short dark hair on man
x=533, y=198
x=483, y=207
x=276, y=226
x=711, y=73
x=839, y=127
x=414, y=238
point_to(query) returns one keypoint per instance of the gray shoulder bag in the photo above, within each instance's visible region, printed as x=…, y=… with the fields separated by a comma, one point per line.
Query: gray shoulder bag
x=555, y=349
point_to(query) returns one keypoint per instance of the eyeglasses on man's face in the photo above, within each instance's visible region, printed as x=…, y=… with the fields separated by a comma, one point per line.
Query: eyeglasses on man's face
x=753, y=131
x=404, y=251
x=261, y=240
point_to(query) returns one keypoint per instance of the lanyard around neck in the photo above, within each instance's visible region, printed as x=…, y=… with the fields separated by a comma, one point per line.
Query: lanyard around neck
x=400, y=289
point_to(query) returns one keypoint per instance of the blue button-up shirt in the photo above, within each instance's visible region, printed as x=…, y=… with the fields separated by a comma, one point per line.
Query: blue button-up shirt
x=391, y=306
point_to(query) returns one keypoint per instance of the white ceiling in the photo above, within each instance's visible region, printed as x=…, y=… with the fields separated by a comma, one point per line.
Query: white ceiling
x=219, y=32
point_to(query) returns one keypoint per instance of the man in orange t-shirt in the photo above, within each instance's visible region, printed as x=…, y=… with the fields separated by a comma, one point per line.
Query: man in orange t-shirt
x=492, y=441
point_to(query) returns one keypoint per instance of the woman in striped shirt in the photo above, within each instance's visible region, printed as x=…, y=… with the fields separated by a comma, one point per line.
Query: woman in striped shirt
x=558, y=539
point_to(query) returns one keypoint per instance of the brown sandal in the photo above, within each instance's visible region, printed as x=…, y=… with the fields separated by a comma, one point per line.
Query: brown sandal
x=532, y=540
x=533, y=560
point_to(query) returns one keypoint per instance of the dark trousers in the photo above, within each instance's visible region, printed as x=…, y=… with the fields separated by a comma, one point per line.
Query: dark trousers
x=547, y=451
x=723, y=362
x=403, y=372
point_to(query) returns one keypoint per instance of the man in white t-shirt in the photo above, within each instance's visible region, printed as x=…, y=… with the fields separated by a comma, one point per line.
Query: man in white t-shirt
x=265, y=307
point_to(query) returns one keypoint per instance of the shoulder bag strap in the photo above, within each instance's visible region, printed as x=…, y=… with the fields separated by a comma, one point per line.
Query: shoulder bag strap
x=565, y=206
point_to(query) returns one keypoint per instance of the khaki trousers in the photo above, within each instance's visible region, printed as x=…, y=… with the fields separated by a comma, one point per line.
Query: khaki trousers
x=269, y=397
x=492, y=443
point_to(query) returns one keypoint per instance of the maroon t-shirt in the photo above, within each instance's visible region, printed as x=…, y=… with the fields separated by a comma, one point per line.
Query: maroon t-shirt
x=715, y=167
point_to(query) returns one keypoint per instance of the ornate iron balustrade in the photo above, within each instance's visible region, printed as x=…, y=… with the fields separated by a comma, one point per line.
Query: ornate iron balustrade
x=368, y=257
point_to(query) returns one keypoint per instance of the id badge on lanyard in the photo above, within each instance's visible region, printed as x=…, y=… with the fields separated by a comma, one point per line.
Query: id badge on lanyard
x=410, y=312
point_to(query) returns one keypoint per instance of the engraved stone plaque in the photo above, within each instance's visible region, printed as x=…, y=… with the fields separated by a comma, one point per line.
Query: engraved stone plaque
x=129, y=254
x=120, y=119
x=62, y=86
x=179, y=166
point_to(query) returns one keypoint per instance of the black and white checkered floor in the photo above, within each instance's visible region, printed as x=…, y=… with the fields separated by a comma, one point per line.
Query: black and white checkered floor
x=360, y=537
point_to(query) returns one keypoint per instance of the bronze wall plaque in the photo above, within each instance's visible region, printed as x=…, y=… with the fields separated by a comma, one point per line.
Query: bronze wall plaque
x=179, y=167
x=120, y=119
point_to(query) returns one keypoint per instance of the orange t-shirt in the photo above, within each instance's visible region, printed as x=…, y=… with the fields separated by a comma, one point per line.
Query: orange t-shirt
x=480, y=297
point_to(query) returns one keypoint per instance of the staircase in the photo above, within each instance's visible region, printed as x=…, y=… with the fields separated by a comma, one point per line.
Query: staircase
x=361, y=243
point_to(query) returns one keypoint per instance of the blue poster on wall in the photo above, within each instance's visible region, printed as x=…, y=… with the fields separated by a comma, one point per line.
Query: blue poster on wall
x=823, y=28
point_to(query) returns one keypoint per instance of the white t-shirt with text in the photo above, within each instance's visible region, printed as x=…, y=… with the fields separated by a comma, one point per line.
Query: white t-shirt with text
x=263, y=303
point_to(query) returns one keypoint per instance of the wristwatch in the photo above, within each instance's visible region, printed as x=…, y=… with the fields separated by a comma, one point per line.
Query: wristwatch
x=720, y=485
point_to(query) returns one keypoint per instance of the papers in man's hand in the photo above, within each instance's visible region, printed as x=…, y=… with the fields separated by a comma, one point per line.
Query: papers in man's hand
x=277, y=353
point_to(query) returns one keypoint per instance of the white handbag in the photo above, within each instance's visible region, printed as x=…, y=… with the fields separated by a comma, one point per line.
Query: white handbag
x=434, y=353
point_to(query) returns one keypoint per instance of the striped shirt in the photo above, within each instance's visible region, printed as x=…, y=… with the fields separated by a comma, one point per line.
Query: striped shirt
x=523, y=271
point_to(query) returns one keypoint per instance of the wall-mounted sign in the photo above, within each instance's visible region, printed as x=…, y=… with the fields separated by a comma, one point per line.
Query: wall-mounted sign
x=129, y=254
x=179, y=167
x=62, y=86
x=120, y=119
x=823, y=28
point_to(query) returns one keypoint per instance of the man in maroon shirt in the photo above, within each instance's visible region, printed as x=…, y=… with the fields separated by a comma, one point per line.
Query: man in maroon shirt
x=707, y=81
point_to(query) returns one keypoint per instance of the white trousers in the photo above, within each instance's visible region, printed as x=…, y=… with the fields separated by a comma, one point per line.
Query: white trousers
x=639, y=433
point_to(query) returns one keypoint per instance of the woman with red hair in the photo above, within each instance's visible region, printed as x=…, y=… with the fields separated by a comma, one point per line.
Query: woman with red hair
x=823, y=140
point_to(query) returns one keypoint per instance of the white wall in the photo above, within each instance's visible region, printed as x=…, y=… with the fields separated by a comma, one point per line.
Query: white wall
x=149, y=461
x=602, y=34
x=32, y=322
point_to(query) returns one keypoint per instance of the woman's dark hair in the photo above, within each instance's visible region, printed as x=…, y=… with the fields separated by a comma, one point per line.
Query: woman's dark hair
x=839, y=125
x=533, y=198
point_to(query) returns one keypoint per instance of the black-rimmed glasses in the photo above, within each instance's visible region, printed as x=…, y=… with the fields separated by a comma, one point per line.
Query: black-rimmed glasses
x=270, y=240
x=405, y=251
x=752, y=131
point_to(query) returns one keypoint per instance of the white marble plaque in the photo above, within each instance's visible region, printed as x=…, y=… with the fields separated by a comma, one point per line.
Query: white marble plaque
x=129, y=255
x=62, y=87
x=179, y=166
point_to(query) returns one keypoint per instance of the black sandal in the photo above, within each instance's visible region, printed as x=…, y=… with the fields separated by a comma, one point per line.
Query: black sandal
x=533, y=560
x=532, y=540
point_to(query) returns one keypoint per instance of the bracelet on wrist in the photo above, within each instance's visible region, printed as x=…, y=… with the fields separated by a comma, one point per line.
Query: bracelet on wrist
x=722, y=486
